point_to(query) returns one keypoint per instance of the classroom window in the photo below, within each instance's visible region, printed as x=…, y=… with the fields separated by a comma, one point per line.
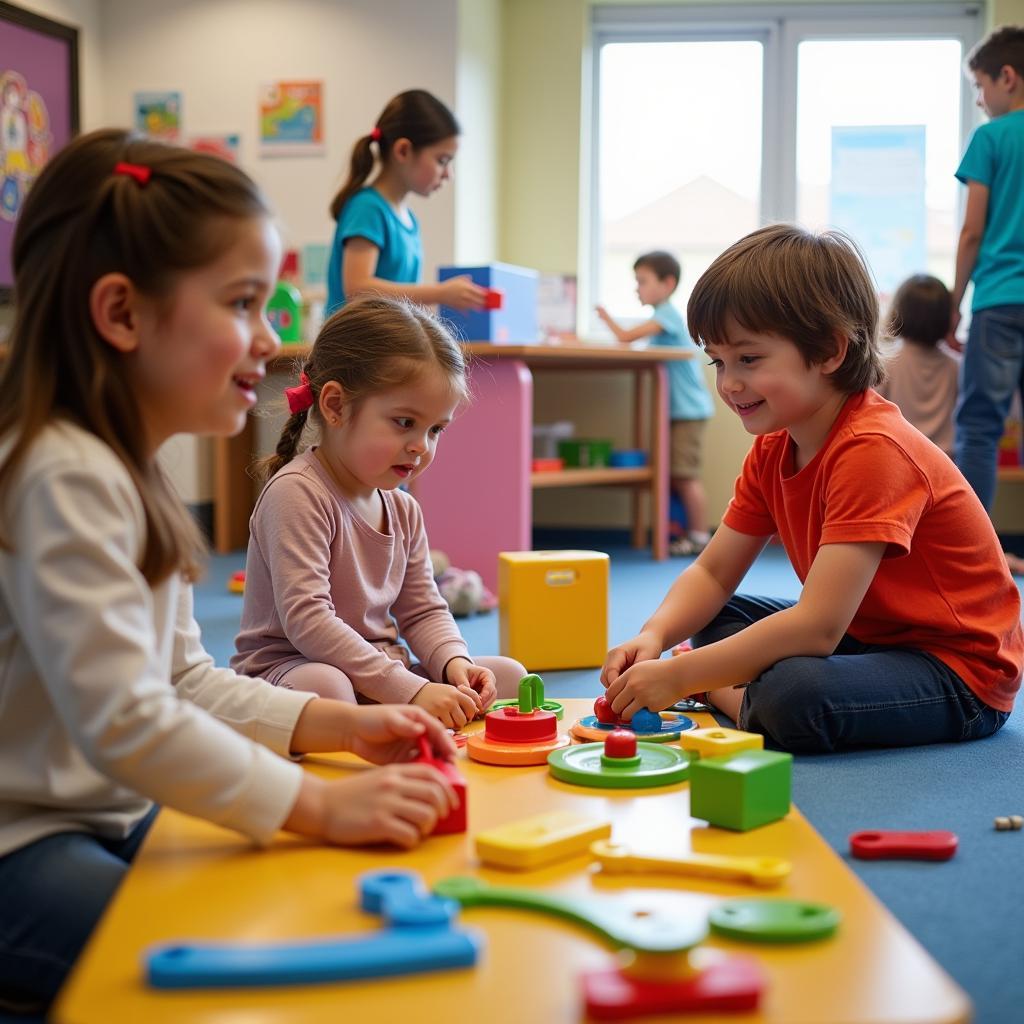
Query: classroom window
x=708, y=122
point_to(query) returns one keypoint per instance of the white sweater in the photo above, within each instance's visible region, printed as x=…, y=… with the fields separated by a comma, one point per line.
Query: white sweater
x=107, y=699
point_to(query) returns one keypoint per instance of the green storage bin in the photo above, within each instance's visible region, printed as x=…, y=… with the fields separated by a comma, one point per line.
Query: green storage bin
x=585, y=453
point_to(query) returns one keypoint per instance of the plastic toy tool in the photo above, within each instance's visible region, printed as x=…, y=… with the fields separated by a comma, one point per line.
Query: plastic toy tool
x=455, y=820
x=774, y=920
x=520, y=735
x=616, y=858
x=620, y=762
x=650, y=929
x=882, y=845
x=532, y=842
x=420, y=935
x=648, y=725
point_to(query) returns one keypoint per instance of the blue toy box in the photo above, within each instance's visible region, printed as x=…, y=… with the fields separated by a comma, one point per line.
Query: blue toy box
x=515, y=323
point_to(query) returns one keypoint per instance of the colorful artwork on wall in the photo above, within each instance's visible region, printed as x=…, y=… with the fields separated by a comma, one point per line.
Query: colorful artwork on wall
x=292, y=119
x=158, y=115
x=38, y=111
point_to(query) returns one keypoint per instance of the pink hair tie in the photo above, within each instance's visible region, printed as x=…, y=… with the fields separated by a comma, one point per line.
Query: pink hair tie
x=139, y=172
x=300, y=397
x=375, y=134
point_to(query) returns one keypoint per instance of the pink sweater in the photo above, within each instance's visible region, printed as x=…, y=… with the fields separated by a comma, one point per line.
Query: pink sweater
x=323, y=585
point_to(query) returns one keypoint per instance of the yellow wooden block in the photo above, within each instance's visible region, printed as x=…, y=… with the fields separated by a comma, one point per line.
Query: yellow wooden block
x=553, y=608
x=718, y=741
x=531, y=842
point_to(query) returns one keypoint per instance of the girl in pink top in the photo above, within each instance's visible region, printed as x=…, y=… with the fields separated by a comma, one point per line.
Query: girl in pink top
x=338, y=564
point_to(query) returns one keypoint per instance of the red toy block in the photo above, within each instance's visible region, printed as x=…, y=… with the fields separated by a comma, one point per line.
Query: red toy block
x=732, y=985
x=510, y=725
x=494, y=298
x=456, y=820
x=620, y=743
x=878, y=844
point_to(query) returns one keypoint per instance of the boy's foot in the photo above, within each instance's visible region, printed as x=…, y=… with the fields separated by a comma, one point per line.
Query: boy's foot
x=1014, y=563
x=686, y=546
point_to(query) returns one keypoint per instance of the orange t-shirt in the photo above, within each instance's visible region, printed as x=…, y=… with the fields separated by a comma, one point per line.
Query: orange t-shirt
x=942, y=586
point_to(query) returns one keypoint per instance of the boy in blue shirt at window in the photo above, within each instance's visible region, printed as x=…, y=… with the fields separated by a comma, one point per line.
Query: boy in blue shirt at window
x=991, y=253
x=690, y=405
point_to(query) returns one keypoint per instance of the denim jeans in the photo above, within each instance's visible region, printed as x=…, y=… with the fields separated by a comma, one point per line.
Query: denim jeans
x=862, y=695
x=54, y=892
x=991, y=372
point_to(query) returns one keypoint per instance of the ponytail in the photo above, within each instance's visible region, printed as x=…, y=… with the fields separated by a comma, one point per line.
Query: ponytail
x=416, y=115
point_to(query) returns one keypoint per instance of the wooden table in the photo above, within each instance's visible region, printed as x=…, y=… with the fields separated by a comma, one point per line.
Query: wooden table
x=194, y=881
x=476, y=497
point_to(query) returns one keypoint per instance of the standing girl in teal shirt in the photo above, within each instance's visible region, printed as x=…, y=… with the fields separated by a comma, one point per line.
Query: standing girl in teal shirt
x=377, y=245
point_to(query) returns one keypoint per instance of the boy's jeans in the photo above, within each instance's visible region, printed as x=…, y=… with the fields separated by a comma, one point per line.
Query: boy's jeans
x=863, y=695
x=54, y=892
x=992, y=370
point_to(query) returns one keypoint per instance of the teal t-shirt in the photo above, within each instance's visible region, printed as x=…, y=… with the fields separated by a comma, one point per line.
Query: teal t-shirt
x=369, y=215
x=689, y=398
x=995, y=158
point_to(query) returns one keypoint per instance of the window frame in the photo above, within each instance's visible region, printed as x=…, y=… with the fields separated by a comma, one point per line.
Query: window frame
x=780, y=29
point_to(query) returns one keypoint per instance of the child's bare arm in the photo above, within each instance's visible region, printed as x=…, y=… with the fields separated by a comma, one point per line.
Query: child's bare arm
x=692, y=601
x=627, y=334
x=835, y=586
x=967, y=248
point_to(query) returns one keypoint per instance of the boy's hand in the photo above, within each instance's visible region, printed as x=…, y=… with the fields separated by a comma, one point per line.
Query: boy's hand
x=478, y=681
x=461, y=293
x=602, y=313
x=643, y=647
x=389, y=732
x=648, y=684
x=450, y=705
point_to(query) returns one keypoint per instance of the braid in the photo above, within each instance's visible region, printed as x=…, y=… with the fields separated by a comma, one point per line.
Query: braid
x=287, y=447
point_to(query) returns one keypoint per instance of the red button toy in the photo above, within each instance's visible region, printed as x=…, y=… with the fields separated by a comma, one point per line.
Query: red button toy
x=878, y=844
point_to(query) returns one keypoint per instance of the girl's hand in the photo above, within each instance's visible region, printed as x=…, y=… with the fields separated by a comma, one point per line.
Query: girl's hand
x=475, y=679
x=398, y=804
x=462, y=293
x=643, y=647
x=450, y=705
x=602, y=313
x=389, y=732
x=648, y=684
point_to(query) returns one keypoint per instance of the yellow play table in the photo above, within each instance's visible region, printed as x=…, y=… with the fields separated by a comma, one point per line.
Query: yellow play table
x=195, y=881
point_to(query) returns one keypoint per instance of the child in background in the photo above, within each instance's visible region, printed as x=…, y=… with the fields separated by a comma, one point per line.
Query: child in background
x=142, y=272
x=991, y=253
x=908, y=627
x=338, y=564
x=921, y=372
x=690, y=406
x=377, y=246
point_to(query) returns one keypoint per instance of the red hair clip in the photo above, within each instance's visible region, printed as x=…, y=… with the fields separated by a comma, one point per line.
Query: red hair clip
x=139, y=172
x=375, y=134
x=300, y=397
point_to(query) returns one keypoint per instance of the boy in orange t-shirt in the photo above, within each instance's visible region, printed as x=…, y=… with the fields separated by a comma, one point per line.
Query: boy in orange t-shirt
x=907, y=630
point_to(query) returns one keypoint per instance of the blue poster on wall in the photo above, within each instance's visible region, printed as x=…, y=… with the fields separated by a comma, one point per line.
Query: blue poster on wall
x=877, y=197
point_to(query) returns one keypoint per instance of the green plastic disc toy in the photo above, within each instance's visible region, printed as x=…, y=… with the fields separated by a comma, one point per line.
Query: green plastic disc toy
x=654, y=764
x=553, y=706
x=774, y=920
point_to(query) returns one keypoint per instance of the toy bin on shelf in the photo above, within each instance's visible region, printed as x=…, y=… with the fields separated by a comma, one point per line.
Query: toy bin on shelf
x=513, y=296
x=553, y=608
x=585, y=452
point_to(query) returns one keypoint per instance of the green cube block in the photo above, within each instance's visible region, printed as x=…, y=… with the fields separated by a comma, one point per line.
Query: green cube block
x=741, y=791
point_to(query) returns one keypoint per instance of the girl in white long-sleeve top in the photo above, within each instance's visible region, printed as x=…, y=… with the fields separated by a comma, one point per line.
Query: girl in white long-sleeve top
x=142, y=274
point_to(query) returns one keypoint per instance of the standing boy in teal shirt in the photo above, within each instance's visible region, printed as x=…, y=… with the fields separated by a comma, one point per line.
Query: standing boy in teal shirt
x=657, y=277
x=991, y=253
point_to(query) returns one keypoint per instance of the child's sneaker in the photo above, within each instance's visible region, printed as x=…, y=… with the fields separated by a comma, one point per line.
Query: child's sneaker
x=686, y=546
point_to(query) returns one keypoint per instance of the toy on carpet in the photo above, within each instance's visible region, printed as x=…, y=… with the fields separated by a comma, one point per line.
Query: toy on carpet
x=620, y=762
x=1011, y=823
x=879, y=844
x=462, y=589
x=236, y=583
x=666, y=973
x=420, y=934
x=648, y=725
x=518, y=735
x=619, y=859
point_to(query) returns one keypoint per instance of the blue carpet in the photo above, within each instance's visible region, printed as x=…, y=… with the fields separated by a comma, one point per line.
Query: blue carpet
x=966, y=912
